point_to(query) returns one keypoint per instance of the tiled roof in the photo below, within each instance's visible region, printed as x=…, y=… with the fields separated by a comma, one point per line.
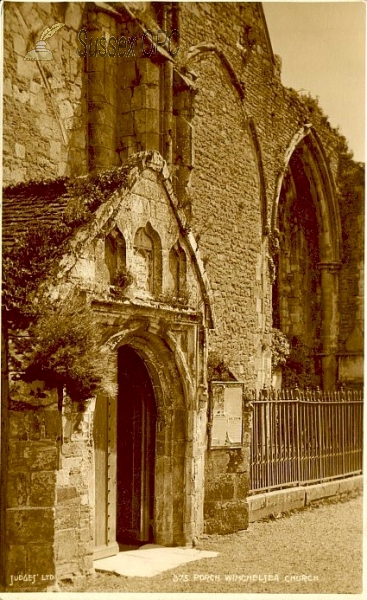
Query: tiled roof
x=27, y=204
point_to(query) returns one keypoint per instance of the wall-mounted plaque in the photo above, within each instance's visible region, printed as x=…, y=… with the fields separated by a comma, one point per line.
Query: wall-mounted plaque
x=226, y=413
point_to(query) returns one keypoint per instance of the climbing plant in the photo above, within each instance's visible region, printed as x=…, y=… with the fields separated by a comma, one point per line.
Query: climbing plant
x=26, y=266
x=218, y=370
x=301, y=367
x=64, y=348
x=280, y=348
x=33, y=258
x=59, y=343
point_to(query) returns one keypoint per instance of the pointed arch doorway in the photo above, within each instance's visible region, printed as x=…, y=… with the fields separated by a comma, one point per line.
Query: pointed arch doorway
x=135, y=450
x=125, y=458
x=141, y=455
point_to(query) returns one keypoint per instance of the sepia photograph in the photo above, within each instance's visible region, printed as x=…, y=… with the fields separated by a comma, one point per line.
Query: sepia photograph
x=182, y=323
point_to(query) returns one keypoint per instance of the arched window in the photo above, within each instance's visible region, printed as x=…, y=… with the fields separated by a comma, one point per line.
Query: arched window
x=115, y=255
x=297, y=298
x=177, y=265
x=148, y=260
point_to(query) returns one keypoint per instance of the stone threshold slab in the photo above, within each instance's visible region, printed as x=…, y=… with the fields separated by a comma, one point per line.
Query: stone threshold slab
x=150, y=560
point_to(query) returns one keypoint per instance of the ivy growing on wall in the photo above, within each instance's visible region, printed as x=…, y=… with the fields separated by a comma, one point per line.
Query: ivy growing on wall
x=301, y=368
x=86, y=194
x=34, y=257
x=218, y=370
x=122, y=281
x=297, y=361
x=64, y=349
x=280, y=348
x=26, y=266
x=62, y=345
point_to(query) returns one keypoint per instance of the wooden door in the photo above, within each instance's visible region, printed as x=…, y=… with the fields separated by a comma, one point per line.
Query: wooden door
x=101, y=471
x=135, y=447
x=104, y=432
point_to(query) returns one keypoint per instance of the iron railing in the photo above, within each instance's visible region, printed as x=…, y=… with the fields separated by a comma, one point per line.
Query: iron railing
x=304, y=436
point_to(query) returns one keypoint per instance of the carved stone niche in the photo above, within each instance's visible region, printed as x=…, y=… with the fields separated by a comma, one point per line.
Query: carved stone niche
x=115, y=256
x=147, y=265
x=178, y=268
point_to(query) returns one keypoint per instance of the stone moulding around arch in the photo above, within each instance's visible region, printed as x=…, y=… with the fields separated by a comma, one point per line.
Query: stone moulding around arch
x=308, y=132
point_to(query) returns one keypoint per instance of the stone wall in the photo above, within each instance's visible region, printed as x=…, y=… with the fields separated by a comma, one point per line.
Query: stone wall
x=232, y=171
x=220, y=116
x=49, y=510
x=231, y=125
x=169, y=334
x=74, y=506
x=44, y=101
x=242, y=144
x=31, y=464
x=351, y=329
x=3, y=446
x=227, y=484
x=224, y=190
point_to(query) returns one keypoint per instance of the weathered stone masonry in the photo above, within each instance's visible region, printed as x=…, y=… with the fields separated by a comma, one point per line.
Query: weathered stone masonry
x=245, y=190
x=79, y=505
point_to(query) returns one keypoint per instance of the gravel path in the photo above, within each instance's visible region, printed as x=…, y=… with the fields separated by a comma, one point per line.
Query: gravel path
x=318, y=551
